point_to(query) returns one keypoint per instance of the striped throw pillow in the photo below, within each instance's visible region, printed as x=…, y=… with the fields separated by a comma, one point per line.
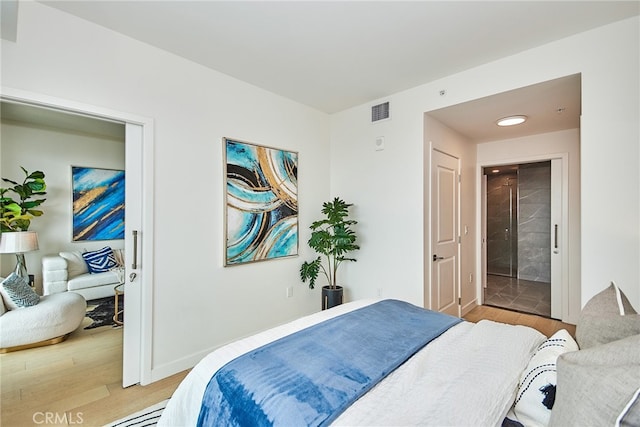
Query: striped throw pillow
x=101, y=260
x=537, y=387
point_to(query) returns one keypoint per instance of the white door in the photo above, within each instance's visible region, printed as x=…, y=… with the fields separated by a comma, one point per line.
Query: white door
x=558, y=239
x=132, y=339
x=444, y=234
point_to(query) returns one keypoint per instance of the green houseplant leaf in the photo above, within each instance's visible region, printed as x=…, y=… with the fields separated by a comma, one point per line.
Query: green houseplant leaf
x=16, y=214
x=332, y=238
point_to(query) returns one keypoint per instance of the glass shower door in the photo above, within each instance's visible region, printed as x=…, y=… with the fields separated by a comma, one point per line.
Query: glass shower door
x=502, y=235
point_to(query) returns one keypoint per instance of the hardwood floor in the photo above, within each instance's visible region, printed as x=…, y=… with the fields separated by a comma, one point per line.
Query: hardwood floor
x=547, y=326
x=78, y=382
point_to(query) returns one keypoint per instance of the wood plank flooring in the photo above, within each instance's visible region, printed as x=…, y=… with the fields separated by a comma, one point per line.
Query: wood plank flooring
x=547, y=326
x=78, y=382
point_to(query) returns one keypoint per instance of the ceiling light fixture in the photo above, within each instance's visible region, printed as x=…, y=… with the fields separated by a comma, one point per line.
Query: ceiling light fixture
x=511, y=120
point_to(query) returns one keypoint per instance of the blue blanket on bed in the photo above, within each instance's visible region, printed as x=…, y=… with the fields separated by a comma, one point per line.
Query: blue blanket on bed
x=310, y=377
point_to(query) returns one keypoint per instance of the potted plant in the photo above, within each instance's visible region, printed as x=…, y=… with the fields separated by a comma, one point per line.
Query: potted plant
x=17, y=215
x=332, y=238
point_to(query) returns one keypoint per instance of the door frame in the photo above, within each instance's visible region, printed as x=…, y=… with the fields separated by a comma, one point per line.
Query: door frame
x=138, y=359
x=563, y=264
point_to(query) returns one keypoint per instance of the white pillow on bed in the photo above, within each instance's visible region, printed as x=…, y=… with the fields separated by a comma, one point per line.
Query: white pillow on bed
x=537, y=386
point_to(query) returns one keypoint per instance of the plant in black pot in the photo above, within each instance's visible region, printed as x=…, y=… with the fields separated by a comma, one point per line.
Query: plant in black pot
x=332, y=238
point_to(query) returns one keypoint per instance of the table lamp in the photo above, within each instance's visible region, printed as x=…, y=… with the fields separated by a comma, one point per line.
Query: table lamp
x=19, y=242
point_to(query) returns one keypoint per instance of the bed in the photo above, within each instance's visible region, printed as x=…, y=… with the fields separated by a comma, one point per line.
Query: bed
x=469, y=374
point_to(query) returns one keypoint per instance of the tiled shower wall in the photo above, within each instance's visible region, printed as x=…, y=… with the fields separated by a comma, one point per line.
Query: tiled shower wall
x=534, y=222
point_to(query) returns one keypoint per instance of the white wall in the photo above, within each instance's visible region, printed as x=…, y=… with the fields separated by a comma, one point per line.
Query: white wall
x=198, y=303
x=54, y=151
x=381, y=186
x=446, y=140
x=388, y=185
x=548, y=144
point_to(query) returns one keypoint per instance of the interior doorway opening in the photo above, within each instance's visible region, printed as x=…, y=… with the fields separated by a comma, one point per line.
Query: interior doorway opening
x=136, y=354
x=518, y=237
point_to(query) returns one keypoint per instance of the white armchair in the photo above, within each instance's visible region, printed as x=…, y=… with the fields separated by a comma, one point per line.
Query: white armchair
x=67, y=271
x=48, y=322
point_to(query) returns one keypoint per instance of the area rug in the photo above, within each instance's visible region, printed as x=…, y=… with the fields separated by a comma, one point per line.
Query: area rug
x=101, y=311
x=146, y=417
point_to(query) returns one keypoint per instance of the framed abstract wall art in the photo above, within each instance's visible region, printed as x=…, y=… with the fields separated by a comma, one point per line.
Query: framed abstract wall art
x=98, y=203
x=261, y=202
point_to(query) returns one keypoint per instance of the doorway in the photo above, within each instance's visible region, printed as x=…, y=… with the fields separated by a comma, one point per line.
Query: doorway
x=139, y=169
x=518, y=237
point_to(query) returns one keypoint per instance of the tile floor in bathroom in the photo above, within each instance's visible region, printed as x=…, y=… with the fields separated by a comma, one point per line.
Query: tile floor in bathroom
x=520, y=295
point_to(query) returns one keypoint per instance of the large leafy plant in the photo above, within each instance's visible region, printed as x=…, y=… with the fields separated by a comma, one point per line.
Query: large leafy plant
x=332, y=238
x=17, y=213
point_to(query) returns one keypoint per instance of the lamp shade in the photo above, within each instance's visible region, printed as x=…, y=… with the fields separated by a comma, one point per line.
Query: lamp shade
x=18, y=242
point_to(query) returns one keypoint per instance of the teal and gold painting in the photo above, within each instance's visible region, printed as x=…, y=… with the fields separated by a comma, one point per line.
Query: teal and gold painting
x=261, y=202
x=98, y=203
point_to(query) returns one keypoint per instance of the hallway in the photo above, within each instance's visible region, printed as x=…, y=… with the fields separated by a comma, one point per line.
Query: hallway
x=519, y=295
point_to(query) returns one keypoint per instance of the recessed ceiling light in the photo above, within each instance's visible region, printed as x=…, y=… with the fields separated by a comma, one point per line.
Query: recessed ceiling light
x=496, y=171
x=511, y=120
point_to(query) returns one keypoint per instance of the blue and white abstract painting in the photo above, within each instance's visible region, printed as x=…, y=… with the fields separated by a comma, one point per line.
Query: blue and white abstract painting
x=98, y=203
x=261, y=202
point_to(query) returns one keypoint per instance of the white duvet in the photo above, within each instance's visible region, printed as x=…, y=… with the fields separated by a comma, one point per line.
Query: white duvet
x=466, y=377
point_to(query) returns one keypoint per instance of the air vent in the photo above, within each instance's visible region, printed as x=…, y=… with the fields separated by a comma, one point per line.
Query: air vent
x=380, y=112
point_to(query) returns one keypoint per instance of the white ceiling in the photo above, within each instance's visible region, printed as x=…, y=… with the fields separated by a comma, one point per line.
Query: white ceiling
x=55, y=119
x=550, y=106
x=333, y=55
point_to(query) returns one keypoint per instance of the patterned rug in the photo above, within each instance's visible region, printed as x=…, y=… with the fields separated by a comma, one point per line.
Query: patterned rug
x=146, y=417
x=101, y=311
